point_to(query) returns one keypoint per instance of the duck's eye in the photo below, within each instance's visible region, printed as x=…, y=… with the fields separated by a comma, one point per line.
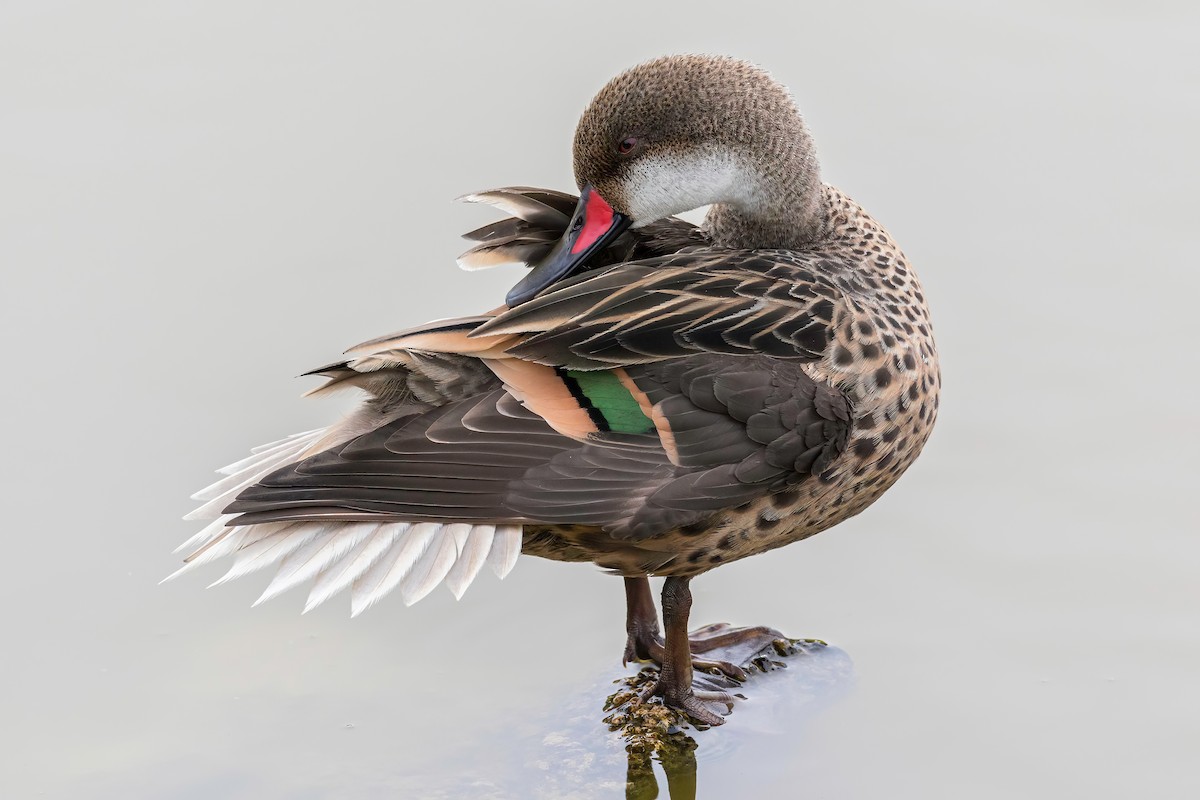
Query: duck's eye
x=627, y=145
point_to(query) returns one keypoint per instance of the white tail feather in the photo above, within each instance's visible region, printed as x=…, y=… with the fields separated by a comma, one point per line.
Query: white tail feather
x=224, y=491
x=267, y=450
x=339, y=576
x=433, y=565
x=303, y=434
x=472, y=554
x=386, y=575
x=306, y=562
x=506, y=546
x=234, y=483
x=206, y=534
x=369, y=558
x=223, y=545
x=268, y=550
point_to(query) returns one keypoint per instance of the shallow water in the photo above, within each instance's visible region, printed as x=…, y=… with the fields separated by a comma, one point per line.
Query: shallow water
x=200, y=202
x=559, y=750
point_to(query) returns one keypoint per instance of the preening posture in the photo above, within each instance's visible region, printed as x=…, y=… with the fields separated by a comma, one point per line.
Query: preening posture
x=656, y=398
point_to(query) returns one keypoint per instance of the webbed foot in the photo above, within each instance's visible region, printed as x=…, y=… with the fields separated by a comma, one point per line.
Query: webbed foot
x=687, y=680
x=692, y=703
x=652, y=648
x=729, y=647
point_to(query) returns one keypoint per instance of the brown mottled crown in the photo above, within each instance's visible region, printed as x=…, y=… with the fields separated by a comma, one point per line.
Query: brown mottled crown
x=700, y=105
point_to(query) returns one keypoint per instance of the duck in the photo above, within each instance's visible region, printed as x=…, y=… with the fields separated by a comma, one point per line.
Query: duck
x=653, y=397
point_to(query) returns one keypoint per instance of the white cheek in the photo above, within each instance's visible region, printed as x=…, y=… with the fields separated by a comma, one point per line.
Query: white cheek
x=662, y=186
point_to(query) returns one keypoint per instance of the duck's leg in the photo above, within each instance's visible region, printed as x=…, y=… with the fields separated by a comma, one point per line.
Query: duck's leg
x=645, y=643
x=675, y=679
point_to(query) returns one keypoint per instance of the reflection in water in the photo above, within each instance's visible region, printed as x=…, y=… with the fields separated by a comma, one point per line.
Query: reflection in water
x=652, y=732
x=678, y=761
x=639, y=752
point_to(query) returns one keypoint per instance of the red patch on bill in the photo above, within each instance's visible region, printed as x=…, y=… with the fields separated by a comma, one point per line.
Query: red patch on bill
x=597, y=219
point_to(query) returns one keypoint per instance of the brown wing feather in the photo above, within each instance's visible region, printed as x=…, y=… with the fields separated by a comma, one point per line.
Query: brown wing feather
x=740, y=428
x=751, y=302
x=712, y=346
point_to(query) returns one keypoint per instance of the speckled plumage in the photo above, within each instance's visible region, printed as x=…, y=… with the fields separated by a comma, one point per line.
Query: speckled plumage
x=879, y=353
x=686, y=397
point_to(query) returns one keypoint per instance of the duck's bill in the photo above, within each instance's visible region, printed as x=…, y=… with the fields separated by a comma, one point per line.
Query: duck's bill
x=593, y=226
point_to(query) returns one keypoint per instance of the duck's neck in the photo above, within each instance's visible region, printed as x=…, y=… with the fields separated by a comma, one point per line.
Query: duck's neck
x=781, y=203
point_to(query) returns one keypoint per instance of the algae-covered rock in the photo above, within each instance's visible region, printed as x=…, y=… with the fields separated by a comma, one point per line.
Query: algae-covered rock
x=647, y=726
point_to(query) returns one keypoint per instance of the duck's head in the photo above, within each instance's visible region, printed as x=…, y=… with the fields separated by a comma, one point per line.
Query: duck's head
x=678, y=133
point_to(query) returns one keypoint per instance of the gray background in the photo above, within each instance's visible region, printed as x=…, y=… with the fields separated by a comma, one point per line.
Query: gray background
x=200, y=201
